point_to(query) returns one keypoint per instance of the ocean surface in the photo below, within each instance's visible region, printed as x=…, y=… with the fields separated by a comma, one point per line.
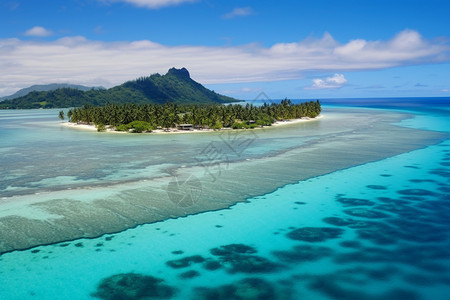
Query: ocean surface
x=355, y=205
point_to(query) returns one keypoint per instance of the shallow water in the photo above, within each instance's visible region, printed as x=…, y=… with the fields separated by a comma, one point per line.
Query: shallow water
x=374, y=231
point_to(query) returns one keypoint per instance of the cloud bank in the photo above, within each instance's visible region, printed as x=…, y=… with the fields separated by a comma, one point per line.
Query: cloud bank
x=78, y=60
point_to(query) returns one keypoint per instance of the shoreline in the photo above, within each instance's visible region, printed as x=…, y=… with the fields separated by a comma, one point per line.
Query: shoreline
x=174, y=130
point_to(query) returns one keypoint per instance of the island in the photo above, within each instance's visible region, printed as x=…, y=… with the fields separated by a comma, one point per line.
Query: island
x=171, y=117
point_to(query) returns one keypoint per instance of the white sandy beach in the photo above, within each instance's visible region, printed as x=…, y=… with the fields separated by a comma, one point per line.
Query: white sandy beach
x=174, y=130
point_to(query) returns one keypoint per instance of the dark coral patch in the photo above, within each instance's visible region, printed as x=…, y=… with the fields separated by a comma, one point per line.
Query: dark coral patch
x=314, y=234
x=212, y=265
x=421, y=180
x=351, y=244
x=412, y=167
x=401, y=210
x=189, y=274
x=379, y=238
x=335, y=291
x=441, y=172
x=376, y=187
x=390, y=200
x=131, y=286
x=232, y=249
x=185, y=261
x=250, y=264
x=239, y=258
x=303, y=253
x=349, y=222
x=416, y=192
x=445, y=189
x=366, y=213
x=246, y=289
x=420, y=279
x=338, y=221
x=355, y=202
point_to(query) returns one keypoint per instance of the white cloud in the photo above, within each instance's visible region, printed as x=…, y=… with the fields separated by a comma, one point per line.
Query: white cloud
x=239, y=12
x=78, y=60
x=243, y=90
x=38, y=31
x=337, y=81
x=153, y=4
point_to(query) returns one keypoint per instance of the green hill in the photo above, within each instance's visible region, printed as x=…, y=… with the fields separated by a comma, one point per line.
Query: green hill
x=45, y=88
x=176, y=86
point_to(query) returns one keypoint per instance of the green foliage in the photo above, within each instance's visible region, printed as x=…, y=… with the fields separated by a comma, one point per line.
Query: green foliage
x=123, y=127
x=217, y=126
x=238, y=125
x=140, y=126
x=101, y=127
x=61, y=115
x=264, y=119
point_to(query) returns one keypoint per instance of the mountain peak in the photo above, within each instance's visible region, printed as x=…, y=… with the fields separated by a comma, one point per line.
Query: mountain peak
x=183, y=72
x=176, y=86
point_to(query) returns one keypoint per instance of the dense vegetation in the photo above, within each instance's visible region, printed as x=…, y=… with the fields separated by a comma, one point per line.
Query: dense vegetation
x=147, y=117
x=176, y=87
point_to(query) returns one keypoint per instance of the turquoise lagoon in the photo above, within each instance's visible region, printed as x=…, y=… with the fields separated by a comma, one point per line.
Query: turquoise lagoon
x=353, y=206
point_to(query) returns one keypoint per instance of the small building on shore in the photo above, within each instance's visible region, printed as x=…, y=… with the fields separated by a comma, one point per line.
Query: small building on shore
x=185, y=127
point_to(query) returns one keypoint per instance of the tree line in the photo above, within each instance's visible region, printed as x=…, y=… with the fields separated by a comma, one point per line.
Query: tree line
x=146, y=117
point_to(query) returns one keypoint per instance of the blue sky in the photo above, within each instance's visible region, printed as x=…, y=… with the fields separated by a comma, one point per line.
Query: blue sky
x=294, y=49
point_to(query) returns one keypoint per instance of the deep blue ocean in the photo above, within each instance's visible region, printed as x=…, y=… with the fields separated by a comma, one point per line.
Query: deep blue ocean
x=369, y=224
